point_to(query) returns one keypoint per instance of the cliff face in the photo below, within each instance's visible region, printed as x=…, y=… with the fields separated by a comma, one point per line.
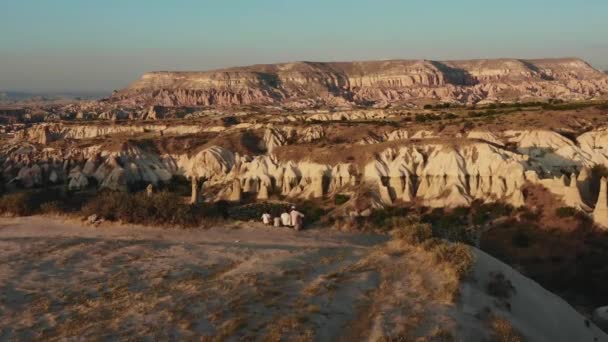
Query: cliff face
x=303, y=84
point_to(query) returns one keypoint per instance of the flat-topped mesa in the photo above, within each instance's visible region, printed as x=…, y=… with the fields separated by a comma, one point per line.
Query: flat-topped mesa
x=370, y=82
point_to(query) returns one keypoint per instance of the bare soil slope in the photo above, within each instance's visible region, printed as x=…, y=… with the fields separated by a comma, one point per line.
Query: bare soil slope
x=64, y=280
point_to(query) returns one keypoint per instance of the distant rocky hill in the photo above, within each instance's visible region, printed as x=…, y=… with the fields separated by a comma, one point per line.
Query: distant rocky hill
x=371, y=83
x=16, y=97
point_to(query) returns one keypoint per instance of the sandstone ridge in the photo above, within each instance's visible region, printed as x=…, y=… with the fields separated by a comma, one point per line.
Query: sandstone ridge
x=377, y=83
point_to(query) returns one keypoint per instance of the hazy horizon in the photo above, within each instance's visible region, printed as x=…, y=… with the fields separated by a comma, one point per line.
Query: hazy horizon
x=73, y=46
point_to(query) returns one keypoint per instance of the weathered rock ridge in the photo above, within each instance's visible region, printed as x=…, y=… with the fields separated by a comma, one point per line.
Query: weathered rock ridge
x=455, y=172
x=303, y=84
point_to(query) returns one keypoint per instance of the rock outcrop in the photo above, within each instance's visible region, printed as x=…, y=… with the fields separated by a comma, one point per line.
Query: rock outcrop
x=419, y=166
x=305, y=84
x=600, y=213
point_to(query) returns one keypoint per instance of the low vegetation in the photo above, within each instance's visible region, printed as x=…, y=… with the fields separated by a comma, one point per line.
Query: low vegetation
x=458, y=257
x=32, y=202
x=564, y=212
x=163, y=208
x=434, y=117
x=500, y=288
x=340, y=199
x=503, y=330
x=556, y=246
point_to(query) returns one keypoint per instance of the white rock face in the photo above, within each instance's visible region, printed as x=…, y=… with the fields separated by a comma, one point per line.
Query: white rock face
x=600, y=213
x=536, y=313
x=600, y=317
x=77, y=179
x=485, y=136
x=444, y=176
x=435, y=173
x=45, y=133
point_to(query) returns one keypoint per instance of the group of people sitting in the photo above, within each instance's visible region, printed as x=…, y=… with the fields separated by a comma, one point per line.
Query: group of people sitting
x=294, y=219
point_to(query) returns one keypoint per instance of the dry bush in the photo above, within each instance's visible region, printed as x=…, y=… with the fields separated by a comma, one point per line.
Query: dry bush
x=53, y=207
x=499, y=286
x=503, y=331
x=441, y=335
x=161, y=208
x=17, y=204
x=29, y=202
x=457, y=255
x=413, y=233
x=563, y=212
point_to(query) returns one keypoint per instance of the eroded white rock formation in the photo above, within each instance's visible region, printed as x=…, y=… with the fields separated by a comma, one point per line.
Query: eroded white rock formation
x=433, y=172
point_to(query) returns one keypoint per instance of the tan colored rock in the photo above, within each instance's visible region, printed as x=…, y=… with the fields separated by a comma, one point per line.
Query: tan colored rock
x=583, y=182
x=600, y=213
x=194, y=193
x=407, y=195
x=385, y=195
x=116, y=180
x=572, y=196
x=317, y=186
x=263, y=193
x=395, y=187
x=237, y=193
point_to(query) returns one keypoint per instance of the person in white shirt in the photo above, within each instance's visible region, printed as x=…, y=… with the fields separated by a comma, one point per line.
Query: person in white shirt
x=297, y=218
x=277, y=222
x=286, y=219
x=266, y=218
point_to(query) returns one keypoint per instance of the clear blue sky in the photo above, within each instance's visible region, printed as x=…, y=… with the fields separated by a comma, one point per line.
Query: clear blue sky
x=100, y=45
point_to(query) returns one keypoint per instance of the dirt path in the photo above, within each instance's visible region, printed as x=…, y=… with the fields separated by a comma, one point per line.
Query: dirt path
x=62, y=279
x=65, y=279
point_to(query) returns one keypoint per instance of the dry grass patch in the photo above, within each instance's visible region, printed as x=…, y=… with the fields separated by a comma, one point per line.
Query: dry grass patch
x=503, y=331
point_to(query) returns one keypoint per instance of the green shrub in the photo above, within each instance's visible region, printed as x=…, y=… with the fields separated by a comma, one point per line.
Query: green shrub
x=28, y=202
x=499, y=286
x=434, y=117
x=563, y=212
x=453, y=225
x=179, y=185
x=230, y=121
x=162, y=208
x=53, y=207
x=521, y=240
x=383, y=218
x=530, y=215
x=312, y=212
x=254, y=211
x=486, y=212
x=468, y=125
x=340, y=199
x=18, y=204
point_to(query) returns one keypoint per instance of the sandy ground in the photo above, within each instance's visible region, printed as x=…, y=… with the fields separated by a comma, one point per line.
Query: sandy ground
x=66, y=279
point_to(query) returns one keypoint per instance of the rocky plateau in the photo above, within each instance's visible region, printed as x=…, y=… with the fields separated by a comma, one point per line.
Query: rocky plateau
x=371, y=83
